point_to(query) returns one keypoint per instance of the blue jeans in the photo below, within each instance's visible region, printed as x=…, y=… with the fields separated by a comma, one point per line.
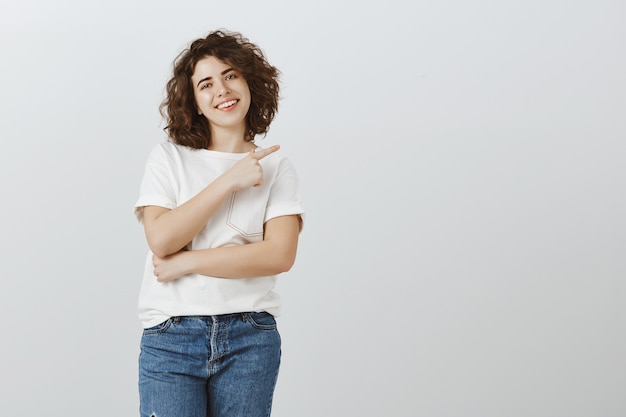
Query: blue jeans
x=216, y=366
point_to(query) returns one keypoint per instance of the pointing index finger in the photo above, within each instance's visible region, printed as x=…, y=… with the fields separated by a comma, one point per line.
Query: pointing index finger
x=260, y=154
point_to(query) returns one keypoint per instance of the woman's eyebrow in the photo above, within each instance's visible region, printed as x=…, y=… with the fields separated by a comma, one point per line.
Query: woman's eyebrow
x=209, y=78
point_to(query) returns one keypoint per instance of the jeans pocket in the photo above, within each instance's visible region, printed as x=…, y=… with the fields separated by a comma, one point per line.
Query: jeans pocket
x=261, y=320
x=159, y=328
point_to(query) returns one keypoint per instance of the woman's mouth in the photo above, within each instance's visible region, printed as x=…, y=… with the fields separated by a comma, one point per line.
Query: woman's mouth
x=227, y=104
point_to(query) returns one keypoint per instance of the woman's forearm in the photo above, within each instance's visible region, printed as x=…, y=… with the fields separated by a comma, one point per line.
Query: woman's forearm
x=245, y=261
x=168, y=231
x=274, y=255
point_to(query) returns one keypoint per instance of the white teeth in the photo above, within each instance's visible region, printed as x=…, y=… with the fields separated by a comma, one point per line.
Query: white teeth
x=226, y=104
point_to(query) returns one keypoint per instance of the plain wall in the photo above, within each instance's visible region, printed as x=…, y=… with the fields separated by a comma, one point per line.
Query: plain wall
x=462, y=168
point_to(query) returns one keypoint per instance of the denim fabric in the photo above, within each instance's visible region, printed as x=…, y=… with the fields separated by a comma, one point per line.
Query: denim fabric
x=215, y=366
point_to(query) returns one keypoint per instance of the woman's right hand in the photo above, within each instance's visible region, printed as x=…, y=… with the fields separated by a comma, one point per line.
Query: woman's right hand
x=248, y=172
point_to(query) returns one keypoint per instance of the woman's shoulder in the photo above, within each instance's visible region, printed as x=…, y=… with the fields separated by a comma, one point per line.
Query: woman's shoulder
x=167, y=150
x=167, y=146
x=279, y=163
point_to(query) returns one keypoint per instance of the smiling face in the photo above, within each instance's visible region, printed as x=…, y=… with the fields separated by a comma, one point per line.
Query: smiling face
x=222, y=95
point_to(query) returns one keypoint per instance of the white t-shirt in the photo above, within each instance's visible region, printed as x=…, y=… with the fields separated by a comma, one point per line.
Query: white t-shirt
x=175, y=174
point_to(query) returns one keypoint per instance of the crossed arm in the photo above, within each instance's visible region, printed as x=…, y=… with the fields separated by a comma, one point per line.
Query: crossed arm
x=168, y=231
x=276, y=253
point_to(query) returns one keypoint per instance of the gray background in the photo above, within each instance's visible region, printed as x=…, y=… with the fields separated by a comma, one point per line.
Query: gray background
x=462, y=165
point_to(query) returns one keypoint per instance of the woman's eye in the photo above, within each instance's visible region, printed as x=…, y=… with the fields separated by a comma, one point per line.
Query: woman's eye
x=230, y=76
x=206, y=85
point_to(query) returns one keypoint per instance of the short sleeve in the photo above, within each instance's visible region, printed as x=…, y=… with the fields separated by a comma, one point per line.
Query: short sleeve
x=157, y=187
x=284, y=198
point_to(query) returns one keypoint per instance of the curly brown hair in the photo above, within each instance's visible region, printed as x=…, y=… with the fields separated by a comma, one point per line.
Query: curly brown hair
x=184, y=125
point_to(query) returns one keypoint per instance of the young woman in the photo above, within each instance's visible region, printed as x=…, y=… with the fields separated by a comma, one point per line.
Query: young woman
x=222, y=218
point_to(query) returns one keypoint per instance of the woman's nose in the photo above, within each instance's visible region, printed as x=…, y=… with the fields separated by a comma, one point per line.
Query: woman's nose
x=222, y=89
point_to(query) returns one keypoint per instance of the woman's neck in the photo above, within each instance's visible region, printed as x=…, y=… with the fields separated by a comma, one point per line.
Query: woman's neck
x=229, y=141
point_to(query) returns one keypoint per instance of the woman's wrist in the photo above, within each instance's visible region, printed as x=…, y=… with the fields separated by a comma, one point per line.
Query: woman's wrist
x=194, y=260
x=225, y=183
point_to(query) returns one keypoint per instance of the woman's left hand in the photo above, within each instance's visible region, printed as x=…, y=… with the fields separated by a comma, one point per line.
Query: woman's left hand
x=169, y=268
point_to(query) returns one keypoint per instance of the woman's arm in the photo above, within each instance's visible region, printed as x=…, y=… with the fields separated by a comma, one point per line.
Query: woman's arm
x=276, y=253
x=168, y=231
